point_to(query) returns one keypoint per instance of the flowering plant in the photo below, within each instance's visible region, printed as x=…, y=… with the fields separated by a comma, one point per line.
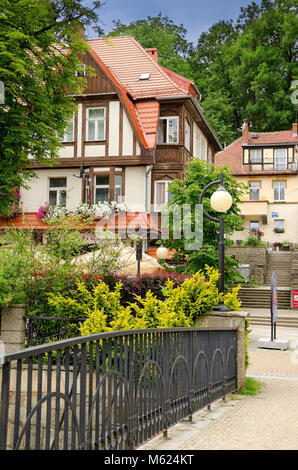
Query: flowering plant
x=13, y=208
x=43, y=211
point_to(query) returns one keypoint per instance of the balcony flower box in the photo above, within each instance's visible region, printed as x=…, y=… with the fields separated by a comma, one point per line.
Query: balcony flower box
x=279, y=230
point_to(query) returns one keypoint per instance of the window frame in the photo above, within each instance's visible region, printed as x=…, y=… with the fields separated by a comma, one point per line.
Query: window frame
x=63, y=140
x=250, y=192
x=286, y=159
x=253, y=162
x=167, y=118
x=187, y=136
x=254, y=222
x=58, y=190
x=118, y=186
x=95, y=119
x=279, y=190
x=160, y=206
x=102, y=186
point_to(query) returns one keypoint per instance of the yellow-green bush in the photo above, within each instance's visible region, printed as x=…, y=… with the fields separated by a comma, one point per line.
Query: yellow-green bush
x=232, y=301
x=180, y=308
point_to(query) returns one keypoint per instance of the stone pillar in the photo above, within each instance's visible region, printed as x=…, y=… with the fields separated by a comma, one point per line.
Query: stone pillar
x=234, y=320
x=259, y=275
x=12, y=332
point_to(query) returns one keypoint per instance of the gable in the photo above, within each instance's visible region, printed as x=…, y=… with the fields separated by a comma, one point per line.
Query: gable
x=98, y=83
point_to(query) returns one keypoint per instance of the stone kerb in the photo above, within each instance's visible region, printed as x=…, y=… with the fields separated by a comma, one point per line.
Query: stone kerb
x=234, y=320
x=12, y=332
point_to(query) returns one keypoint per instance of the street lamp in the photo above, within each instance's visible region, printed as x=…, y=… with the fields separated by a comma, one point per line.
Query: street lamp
x=162, y=252
x=221, y=201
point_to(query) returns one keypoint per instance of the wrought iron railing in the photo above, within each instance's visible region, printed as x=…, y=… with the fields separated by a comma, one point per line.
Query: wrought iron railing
x=112, y=390
x=40, y=330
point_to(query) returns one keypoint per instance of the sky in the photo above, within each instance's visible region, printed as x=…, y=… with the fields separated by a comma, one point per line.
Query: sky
x=196, y=15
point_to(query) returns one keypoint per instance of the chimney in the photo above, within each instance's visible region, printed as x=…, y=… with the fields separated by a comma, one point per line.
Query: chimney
x=295, y=129
x=153, y=53
x=245, y=130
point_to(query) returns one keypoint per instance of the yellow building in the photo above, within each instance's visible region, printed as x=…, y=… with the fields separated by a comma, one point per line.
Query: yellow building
x=267, y=162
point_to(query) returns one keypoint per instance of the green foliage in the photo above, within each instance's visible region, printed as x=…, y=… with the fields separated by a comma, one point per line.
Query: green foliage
x=187, y=191
x=29, y=270
x=252, y=387
x=243, y=68
x=180, y=307
x=232, y=300
x=39, y=79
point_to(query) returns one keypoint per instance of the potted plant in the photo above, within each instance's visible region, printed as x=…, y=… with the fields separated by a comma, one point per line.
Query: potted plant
x=278, y=230
x=286, y=245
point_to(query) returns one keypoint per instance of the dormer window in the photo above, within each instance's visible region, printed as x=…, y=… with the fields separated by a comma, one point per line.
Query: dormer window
x=280, y=159
x=255, y=156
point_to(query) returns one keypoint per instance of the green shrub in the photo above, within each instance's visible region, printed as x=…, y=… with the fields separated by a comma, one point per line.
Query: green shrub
x=180, y=307
x=231, y=299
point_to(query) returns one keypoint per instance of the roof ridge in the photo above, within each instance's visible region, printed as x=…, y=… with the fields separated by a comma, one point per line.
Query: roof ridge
x=230, y=145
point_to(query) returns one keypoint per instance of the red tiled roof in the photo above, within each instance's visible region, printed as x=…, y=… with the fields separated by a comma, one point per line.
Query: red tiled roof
x=124, y=60
x=149, y=113
x=279, y=137
x=127, y=60
x=131, y=220
x=185, y=83
x=233, y=154
x=27, y=220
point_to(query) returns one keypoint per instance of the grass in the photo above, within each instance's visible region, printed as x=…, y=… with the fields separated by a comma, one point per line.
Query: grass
x=252, y=387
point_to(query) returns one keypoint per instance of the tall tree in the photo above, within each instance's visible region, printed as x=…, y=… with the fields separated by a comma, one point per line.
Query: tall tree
x=39, y=45
x=250, y=70
x=187, y=192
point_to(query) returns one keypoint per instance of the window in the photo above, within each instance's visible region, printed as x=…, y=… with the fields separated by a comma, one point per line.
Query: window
x=168, y=130
x=57, y=191
x=87, y=190
x=118, y=188
x=187, y=134
x=279, y=190
x=254, y=191
x=81, y=71
x=280, y=159
x=102, y=188
x=255, y=156
x=96, y=123
x=279, y=225
x=162, y=194
x=69, y=132
x=254, y=225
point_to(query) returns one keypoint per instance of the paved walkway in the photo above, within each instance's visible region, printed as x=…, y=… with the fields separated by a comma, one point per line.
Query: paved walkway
x=267, y=421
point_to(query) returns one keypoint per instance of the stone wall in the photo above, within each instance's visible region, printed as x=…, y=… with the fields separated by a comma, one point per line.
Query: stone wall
x=234, y=320
x=256, y=257
x=12, y=330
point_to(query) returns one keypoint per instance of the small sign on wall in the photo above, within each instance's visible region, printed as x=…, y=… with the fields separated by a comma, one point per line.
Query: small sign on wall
x=274, y=214
x=294, y=298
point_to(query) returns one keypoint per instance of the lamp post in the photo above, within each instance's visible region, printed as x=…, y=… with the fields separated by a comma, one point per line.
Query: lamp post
x=220, y=201
x=139, y=254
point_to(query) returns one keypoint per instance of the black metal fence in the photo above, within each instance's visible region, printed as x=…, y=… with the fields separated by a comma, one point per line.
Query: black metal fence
x=112, y=390
x=40, y=330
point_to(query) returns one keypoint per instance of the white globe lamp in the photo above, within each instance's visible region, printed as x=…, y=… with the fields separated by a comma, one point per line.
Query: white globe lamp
x=221, y=200
x=162, y=252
